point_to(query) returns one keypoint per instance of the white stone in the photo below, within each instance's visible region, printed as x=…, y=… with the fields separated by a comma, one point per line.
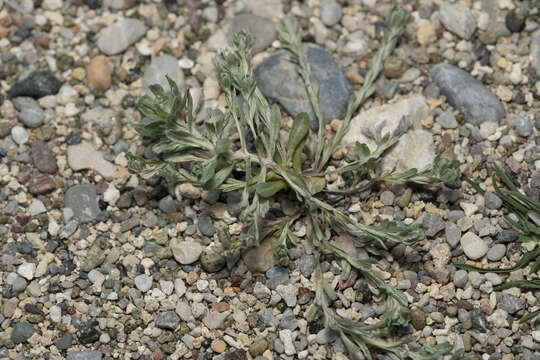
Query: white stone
x=473, y=246
x=468, y=208
x=19, y=135
x=287, y=339
x=143, y=282
x=27, y=270
x=185, y=252
x=55, y=313
x=414, y=149
x=179, y=287
x=36, y=207
x=96, y=277
x=66, y=95
x=111, y=195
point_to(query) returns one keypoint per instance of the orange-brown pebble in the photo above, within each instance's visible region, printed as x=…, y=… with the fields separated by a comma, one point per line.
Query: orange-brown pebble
x=99, y=73
x=219, y=346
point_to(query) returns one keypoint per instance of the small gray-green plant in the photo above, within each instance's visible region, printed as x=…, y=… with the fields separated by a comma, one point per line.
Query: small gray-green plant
x=265, y=163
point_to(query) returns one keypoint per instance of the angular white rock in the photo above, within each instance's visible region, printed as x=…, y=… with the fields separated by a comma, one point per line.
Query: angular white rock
x=414, y=149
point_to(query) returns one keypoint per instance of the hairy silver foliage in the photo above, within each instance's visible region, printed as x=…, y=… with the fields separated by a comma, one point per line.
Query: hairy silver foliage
x=206, y=153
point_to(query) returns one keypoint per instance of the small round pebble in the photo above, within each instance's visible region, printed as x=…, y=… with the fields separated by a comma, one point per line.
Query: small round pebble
x=331, y=14
x=460, y=278
x=473, y=246
x=143, y=282
x=497, y=252
x=19, y=135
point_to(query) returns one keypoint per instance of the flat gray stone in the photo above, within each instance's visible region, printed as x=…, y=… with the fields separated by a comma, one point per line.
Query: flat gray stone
x=458, y=19
x=467, y=94
x=263, y=29
x=117, y=37
x=278, y=78
x=83, y=200
x=85, y=355
x=167, y=320
x=159, y=68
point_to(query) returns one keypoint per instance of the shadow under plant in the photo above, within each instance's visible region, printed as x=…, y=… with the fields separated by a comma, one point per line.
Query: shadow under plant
x=265, y=162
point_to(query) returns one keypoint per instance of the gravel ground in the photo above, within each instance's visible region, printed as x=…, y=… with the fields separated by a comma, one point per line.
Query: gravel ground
x=97, y=263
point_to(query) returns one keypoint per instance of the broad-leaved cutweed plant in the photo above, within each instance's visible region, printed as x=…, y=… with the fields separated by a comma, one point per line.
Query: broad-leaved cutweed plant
x=263, y=163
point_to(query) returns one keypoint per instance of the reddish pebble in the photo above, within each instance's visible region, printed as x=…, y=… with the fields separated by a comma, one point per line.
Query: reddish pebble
x=158, y=355
x=42, y=42
x=41, y=184
x=43, y=157
x=99, y=73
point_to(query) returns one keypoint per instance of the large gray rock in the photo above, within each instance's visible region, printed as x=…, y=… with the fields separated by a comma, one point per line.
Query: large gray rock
x=82, y=199
x=458, y=19
x=117, y=37
x=157, y=70
x=467, y=94
x=278, y=78
x=263, y=29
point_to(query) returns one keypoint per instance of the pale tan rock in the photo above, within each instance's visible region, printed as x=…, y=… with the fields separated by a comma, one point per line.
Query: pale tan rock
x=414, y=149
x=83, y=156
x=99, y=73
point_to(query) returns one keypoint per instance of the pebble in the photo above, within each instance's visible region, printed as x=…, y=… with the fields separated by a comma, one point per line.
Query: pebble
x=64, y=342
x=287, y=339
x=467, y=94
x=278, y=80
x=458, y=19
x=418, y=318
x=492, y=201
x=263, y=29
x=210, y=13
x=185, y=252
x=117, y=37
x=66, y=95
x=497, y=252
x=460, y=278
x=82, y=199
x=447, y=120
x=35, y=85
x=43, y=157
x=523, y=126
x=85, y=355
x=289, y=293
x=19, y=135
x=167, y=320
x=206, y=225
x=159, y=68
x=433, y=223
x=215, y=319
x=83, y=156
x=212, y=261
x=21, y=332
x=30, y=113
x=510, y=303
x=258, y=347
x=99, y=73
x=27, y=270
x=260, y=258
x=331, y=13
x=168, y=205
x=507, y=236
x=473, y=246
